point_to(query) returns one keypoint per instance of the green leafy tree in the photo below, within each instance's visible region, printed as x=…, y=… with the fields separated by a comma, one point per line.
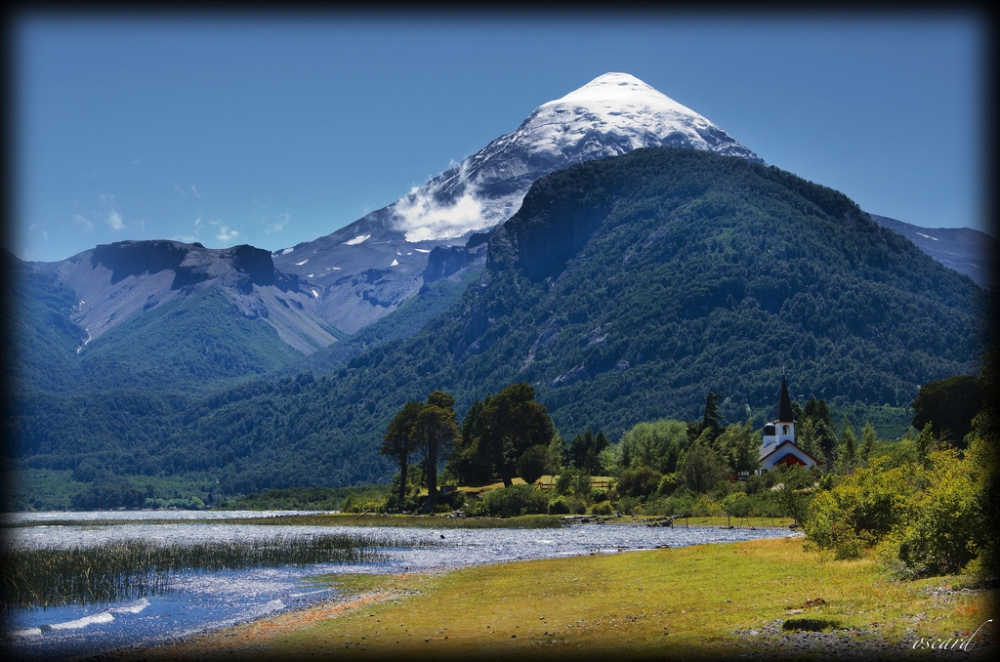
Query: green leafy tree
x=639, y=482
x=585, y=451
x=469, y=460
x=701, y=467
x=436, y=428
x=657, y=445
x=949, y=405
x=535, y=462
x=740, y=447
x=511, y=423
x=400, y=442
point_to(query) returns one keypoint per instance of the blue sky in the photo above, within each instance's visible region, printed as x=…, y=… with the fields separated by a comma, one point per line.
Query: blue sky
x=273, y=130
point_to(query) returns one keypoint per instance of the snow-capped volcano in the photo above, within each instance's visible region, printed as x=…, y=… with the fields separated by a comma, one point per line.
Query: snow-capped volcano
x=613, y=114
x=368, y=268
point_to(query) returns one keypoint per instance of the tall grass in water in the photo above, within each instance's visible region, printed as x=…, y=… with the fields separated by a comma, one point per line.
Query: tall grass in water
x=344, y=519
x=129, y=569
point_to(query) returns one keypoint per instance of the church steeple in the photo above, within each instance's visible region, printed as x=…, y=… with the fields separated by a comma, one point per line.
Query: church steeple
x=784, y=404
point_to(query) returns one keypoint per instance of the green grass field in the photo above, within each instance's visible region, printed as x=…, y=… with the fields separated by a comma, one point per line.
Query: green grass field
x=691, y=602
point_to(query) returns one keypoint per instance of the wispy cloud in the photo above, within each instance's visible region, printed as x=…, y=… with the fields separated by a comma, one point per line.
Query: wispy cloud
x=278, y=225
x=87, y=225
x=423, y=218
x=224, y=233
x=114, y=220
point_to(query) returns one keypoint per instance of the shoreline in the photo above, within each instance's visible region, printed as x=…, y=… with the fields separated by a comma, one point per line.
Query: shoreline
x=597, y=605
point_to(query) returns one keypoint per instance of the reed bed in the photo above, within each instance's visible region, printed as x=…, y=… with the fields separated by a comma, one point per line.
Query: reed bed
x=340, y=519
x=130, y=569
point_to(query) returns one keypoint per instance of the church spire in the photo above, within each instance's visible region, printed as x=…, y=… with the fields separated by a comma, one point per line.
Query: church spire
x=784, y=403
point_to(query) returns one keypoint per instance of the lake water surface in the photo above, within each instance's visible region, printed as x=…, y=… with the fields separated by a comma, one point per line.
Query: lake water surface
x=200, y=601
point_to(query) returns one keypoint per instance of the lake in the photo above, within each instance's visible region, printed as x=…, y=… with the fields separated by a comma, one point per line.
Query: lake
x=199, y=601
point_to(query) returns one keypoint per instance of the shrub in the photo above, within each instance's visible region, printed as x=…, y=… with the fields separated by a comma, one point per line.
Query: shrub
x=602, y=508
x=945, y=523
x=515, y=500
x=639, y=482
x=668, y=484
x=567, y=506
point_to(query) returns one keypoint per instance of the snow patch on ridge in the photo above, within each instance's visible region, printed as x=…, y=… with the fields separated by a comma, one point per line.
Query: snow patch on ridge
x=361, y=238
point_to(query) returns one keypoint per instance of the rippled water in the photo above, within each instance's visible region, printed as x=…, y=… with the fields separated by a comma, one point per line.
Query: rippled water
x=201, y=601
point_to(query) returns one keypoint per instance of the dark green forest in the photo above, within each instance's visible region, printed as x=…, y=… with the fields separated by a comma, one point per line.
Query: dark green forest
x=623, y=291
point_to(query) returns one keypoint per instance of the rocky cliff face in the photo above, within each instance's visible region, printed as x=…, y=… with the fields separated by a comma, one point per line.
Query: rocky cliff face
x=240, y=266
x=116, y=282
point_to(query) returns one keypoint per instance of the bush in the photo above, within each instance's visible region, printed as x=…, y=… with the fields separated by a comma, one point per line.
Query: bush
x=668, y=484
x=639, y=482
x=945, y=523
x=924, y=519
x=567, y=506
x=602, y=508
x=515, y=500
x=630, y=505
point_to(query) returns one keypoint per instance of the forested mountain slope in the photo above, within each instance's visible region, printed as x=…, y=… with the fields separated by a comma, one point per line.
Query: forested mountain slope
x=623, y=290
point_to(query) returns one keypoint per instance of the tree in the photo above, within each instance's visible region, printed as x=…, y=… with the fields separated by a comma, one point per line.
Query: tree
x=847, y=454
x=925, y=441
x=639, y=482
x=818, y=410
x=712, y=419
x=585, y=451
x=868, y=439
x=511, y=422
x=436, y=428
x=399, y=441
x=701, y=468
x=949, y=405
x=535, y=462
x=469, y=461
x=657, y=445
x=740, y=447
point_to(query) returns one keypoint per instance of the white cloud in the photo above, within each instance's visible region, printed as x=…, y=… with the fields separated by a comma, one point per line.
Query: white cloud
x=194, y=191
x=114, y=220
x=224, y=234
x=422, y=218
x=87, y=225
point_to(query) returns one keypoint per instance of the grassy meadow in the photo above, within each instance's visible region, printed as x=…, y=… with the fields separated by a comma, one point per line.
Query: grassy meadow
x=705, y=601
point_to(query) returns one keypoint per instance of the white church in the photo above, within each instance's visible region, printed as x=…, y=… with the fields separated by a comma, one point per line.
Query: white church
x=778, y=445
